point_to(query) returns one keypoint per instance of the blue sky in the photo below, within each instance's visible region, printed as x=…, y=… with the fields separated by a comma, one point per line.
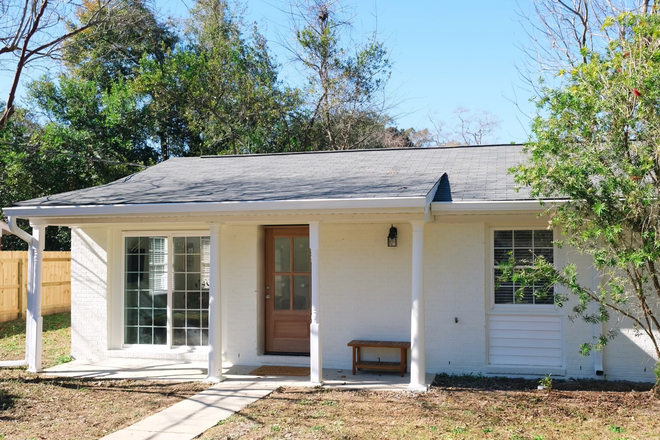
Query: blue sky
x=445, y=54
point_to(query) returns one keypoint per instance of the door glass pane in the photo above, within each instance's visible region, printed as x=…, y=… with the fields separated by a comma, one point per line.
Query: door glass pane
x=301, y=254
x=179, y=245
x=282, y=292
x=282, y=254
x=191, y=273
x=301, y=292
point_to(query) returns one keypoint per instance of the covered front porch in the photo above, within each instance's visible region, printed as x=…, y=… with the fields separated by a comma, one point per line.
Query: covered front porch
x=359, y=289
x=144, y=369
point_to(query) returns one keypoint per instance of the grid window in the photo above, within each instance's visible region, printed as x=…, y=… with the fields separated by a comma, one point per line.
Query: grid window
x=525, y=246
x=145, y=291
x=190, y=297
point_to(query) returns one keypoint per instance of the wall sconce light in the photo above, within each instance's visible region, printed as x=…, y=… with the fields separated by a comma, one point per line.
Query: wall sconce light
x=391, y=238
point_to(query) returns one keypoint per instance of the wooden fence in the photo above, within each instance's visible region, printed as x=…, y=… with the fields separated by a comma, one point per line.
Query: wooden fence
x=56, y=284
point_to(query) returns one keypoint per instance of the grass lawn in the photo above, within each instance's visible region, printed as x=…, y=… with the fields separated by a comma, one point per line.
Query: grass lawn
x=455, y=408
x=56, y=339
x=34, y=406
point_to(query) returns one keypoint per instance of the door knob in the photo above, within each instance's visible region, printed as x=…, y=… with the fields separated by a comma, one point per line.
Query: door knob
x=267, y=296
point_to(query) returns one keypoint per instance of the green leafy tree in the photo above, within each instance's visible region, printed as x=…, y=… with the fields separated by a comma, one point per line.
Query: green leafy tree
x=597, y=146
x=113, y=50
x=18, y=154
x=224, y=81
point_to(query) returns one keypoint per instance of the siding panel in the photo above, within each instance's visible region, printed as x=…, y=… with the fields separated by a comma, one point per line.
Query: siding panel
x=525, y=340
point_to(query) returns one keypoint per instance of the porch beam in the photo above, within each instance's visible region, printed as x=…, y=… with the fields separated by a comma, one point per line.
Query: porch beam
x=215, y=308
x=315, y=354
x=417, y=315
x=34, y=321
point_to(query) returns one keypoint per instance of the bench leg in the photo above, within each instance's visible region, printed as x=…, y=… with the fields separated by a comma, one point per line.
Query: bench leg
x=353, y=348
x=402, y=367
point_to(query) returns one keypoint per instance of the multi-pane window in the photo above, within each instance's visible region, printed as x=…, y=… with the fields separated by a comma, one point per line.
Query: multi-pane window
x=525, y=246
x=145, y=291
x=153, y=283
x=190, y=298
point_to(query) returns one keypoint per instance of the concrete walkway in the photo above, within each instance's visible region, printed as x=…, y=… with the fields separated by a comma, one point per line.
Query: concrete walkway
x=191, y=417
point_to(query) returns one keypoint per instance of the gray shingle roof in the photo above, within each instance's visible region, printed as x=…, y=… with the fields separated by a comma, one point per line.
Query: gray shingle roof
x=471, y=173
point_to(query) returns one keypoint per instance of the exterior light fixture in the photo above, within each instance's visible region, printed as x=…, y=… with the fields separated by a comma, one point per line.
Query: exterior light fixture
x=391, y=238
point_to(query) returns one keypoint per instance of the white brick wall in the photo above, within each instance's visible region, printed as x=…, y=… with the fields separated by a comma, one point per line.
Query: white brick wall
x=454, y=285
x=364, y=289
x=89, y=292
x=364, y=293
x=239, y=289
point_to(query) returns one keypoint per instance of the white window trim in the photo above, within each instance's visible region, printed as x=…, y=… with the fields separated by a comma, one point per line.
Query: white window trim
x=170, y=282
x=514, y=309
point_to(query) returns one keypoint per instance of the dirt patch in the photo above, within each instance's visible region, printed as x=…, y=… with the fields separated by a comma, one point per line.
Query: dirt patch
x=34, y=406
x=458, y=408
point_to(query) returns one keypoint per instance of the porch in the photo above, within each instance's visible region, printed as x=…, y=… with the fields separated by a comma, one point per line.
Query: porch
x=167, y=370
x=236, y=270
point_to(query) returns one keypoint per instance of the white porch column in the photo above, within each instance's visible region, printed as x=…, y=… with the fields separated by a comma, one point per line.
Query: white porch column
x=215, y=309
x=33, y=323
x=316, y=363
x=417, y=350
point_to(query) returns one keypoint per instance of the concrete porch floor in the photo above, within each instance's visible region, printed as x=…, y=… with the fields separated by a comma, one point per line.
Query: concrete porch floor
x=147, y=369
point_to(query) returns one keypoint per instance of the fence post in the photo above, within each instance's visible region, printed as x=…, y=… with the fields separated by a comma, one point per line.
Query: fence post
x=21, y=315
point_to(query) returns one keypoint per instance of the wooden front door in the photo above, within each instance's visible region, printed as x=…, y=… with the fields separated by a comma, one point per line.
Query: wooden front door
x=288, y=289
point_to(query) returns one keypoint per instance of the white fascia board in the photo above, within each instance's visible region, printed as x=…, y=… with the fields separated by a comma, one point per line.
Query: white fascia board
x=357, y=204
x=512, y=205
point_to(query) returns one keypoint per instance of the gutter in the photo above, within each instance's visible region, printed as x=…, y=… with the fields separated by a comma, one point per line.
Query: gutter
x=192, y=207
x=512, y=205
x=14, y=229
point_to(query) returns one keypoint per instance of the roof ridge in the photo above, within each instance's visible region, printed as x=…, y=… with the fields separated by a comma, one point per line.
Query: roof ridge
x=363, y=150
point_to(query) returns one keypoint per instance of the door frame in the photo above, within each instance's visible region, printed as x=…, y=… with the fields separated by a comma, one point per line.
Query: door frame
x=269, y=271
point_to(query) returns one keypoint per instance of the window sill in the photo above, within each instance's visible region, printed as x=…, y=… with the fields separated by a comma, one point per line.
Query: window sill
x=526, y=310
x=160, y=352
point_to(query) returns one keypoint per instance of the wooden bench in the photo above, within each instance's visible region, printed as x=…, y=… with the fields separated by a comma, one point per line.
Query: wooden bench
x=359, y=364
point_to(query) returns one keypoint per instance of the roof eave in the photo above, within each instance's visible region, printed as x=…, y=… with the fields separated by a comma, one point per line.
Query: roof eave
x=491, y=205
x=215, y=207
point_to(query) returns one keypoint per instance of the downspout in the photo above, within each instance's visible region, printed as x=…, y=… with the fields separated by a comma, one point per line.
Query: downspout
x=597, y=327
x=14, y=229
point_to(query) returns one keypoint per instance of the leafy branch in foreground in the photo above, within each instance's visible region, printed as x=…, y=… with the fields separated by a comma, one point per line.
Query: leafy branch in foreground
x=597, y=146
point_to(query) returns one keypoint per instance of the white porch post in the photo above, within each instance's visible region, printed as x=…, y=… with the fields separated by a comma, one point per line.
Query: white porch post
x=33, y=322
x=316, y=363
x=215, y=309
x=417, y=350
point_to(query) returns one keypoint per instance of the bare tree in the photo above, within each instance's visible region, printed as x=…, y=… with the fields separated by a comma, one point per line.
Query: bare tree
x=475, y=128
x=556, y=32
x=468, y=128
x=33, y=30
x=345, y=78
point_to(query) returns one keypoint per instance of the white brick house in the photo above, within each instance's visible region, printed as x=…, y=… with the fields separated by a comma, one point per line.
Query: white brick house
x=283, y=259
